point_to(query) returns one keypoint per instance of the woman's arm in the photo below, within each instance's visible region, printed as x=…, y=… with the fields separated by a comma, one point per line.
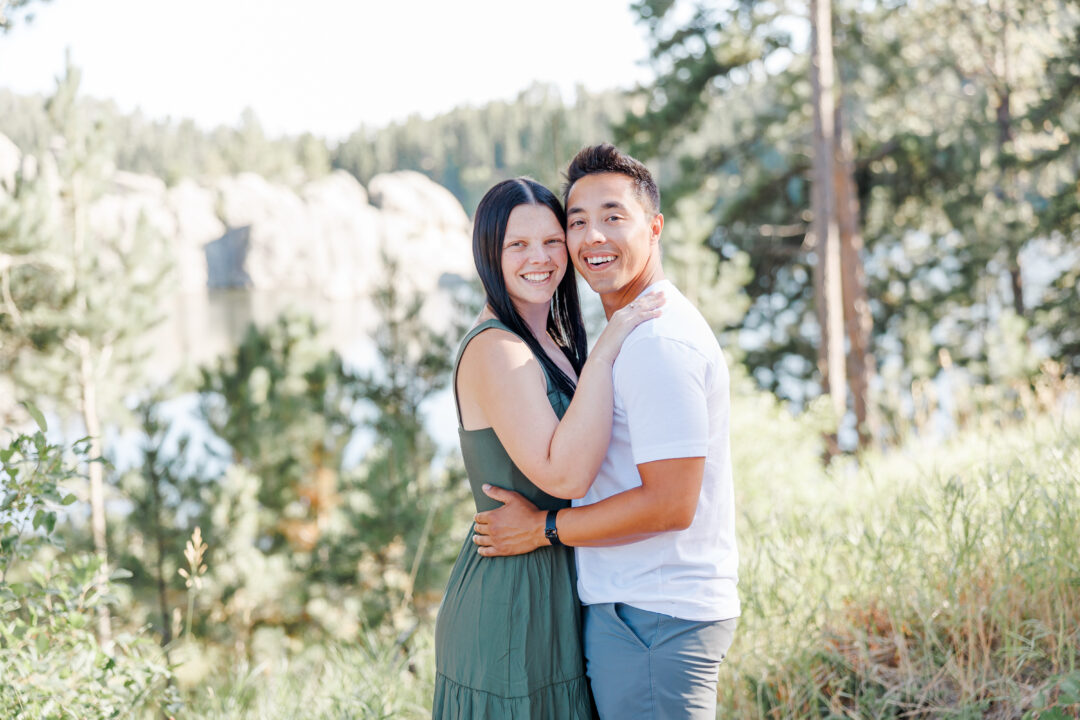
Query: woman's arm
x=500, y=376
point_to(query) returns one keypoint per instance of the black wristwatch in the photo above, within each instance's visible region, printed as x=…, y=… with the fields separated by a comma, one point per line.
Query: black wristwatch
x=550, y=531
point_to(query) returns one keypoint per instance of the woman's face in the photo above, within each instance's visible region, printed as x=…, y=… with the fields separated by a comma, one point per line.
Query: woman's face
x=533, y=255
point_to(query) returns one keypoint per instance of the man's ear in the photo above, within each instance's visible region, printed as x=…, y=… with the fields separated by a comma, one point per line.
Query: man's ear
x=656, y=227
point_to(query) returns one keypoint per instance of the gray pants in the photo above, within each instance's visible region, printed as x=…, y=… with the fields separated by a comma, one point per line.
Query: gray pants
x=646, y=665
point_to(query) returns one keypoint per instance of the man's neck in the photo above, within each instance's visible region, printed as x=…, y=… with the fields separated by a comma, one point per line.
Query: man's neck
x=613, y=301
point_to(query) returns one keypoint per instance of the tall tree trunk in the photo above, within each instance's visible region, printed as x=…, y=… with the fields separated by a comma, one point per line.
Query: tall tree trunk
x=84, y=353
x=96, y=473
x=1016, y=280
x=159, y=541
x=857, y=316
x=1006, y=189
x=826, y=230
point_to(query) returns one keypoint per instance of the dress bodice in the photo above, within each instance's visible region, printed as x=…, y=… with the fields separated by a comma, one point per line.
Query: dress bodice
x=486, y=461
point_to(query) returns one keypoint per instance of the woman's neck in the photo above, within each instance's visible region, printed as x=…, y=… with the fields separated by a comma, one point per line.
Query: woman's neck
x=535, y=317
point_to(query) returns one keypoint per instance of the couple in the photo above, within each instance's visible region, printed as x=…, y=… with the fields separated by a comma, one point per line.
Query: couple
x=637, y=435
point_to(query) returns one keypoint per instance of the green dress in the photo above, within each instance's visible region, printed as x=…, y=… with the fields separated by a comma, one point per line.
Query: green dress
x=508, y=635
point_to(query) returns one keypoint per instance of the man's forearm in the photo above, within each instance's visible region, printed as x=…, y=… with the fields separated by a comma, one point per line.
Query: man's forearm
x=617, y=520
x=624, y=518
x=665, y=501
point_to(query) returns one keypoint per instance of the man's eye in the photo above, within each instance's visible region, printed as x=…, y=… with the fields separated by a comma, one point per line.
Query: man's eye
x=554, y=241
x=575, y=223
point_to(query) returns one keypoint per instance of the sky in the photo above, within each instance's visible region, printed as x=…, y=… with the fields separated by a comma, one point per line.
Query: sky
x=322, y=66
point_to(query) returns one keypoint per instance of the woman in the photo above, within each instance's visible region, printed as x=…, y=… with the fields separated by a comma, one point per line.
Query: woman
x=507, y=640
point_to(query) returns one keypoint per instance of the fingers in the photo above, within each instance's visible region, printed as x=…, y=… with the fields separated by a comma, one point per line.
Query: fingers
x=485, y=546
x=647, y=305
x=652, y=300
x=497, y=493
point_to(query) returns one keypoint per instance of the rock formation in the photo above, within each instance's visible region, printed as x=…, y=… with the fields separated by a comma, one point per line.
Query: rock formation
x=322, y=245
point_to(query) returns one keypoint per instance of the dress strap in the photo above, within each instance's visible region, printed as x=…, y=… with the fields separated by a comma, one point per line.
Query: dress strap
x=486, y=325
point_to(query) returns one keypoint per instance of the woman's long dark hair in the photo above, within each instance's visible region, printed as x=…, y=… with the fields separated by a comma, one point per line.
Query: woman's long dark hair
x=564, y=322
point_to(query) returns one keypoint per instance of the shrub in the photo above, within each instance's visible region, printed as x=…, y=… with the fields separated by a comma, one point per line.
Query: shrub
x=50, y=661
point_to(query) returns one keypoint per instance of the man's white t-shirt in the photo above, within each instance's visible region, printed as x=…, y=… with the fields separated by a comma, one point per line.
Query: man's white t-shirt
x=671, y=401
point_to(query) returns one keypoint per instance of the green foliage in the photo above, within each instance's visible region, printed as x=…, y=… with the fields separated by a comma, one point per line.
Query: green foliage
x=965, y=157
x=1058, y=700
x=936, y=579
x=713, y=284
x=33, y=471
x=149, y=540
x=283, y=403
x=400, y=504
x=299, y=539
x=467, y=150
x=173, y=150
x=79, y=299
x=52, y=665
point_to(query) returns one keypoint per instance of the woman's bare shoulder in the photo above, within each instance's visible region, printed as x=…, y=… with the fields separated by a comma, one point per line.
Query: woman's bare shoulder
x=495, y=349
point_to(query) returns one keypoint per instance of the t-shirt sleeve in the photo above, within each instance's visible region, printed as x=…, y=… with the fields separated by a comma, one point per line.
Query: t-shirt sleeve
x=661, y=383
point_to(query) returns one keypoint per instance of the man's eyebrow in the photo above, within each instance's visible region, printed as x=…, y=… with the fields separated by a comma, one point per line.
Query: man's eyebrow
x=609, y=205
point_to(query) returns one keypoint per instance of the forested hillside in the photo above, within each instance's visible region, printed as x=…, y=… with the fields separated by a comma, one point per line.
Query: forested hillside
x=465, y=150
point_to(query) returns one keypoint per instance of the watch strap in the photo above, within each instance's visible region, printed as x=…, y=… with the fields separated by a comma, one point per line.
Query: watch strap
x=550, y=531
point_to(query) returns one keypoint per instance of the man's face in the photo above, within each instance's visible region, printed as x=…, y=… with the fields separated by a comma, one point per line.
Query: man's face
x=612, y=239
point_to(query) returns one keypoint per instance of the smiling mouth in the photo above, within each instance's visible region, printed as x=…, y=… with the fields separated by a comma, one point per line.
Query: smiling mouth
x=539, y=277
x=600, y=261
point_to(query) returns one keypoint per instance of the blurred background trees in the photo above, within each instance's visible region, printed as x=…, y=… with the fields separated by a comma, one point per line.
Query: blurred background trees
x=955, y=166
x=941, y=117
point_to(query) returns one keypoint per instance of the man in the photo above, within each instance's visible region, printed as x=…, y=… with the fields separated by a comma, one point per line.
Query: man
x=654, y=535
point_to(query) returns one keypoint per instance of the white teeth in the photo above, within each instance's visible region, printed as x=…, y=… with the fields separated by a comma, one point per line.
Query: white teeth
x=600, y=260
x=537, y=277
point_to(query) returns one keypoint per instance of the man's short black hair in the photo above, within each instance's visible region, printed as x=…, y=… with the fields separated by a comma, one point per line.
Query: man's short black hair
x=606, y=158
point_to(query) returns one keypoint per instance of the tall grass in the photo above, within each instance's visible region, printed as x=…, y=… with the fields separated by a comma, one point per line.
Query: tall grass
x=937, y=581
x=940, y=581
x=382, y=677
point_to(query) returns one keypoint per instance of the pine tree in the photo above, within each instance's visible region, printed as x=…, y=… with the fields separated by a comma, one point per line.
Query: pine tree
x=944, y=169
x=83, y=299
x=408, y=504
